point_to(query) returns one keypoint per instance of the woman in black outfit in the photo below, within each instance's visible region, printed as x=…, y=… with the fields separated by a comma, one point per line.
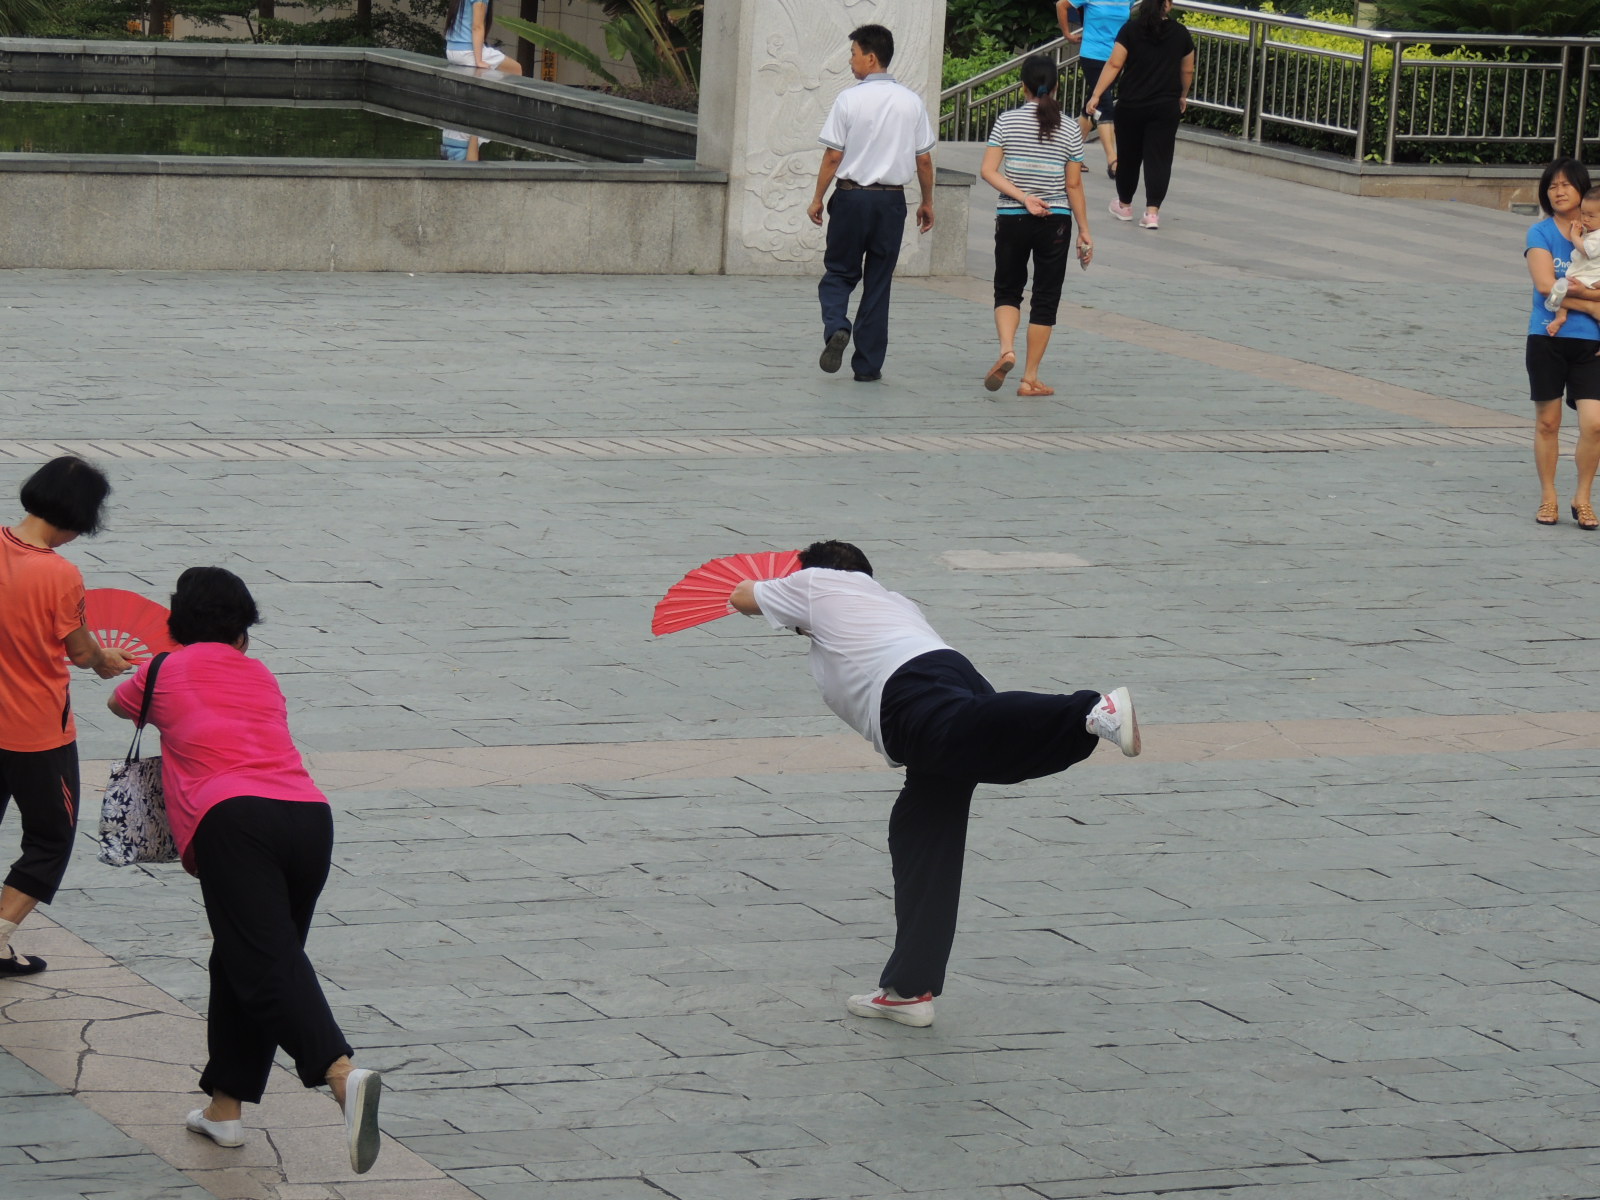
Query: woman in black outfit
x=1155, y=58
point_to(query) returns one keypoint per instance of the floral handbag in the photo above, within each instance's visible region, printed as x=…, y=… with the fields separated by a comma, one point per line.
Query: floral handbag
x=133, y=816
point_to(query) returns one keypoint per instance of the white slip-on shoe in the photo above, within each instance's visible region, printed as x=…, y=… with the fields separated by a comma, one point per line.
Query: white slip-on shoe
x=888, y=1004
x=223, y=1133
x=361, y=1091
x=1113, y=719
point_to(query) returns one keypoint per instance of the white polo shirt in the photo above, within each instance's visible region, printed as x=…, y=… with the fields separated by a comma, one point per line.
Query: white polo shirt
x=860, y=632
x=881, y=126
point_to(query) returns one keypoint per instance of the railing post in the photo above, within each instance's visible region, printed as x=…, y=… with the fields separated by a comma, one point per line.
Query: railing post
x=1561, y=102
x=1256, y=94
x=1365, y=107
x=1394, y=100
x=1580, y=117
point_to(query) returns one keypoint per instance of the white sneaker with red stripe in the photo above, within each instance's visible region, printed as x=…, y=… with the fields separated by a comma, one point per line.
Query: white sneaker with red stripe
x=891, y=1005
x=1114, y=720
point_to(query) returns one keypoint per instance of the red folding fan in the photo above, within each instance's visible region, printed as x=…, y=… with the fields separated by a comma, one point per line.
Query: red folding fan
x=128, y=622
x=702, y=594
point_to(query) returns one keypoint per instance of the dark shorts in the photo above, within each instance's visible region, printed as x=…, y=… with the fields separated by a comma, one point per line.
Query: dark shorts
x=1560, y=366
x=1091, y=68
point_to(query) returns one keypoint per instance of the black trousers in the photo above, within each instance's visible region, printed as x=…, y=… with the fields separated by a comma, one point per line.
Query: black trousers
x=953, y=731
x=1146, y=138
x=1047, y=241
x=44, y=783
x=863, y=245
x=262, y=864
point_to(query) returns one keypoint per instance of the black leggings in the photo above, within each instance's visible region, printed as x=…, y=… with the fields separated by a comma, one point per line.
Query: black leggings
x=1047, y=240
x=262, y=864
x=954, y=731
x=1146, y=138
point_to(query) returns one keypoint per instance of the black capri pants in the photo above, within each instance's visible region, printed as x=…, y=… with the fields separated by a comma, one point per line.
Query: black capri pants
x=262, y=864
x=44, y=783
x=1047, y=241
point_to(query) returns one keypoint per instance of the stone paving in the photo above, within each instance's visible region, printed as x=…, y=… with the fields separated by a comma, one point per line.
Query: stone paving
x=597, y=896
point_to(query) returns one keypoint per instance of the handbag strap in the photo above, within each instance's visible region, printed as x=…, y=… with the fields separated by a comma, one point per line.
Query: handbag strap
x=144, y=705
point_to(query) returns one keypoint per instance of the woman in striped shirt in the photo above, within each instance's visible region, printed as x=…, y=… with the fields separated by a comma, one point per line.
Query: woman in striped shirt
x=1035, y=162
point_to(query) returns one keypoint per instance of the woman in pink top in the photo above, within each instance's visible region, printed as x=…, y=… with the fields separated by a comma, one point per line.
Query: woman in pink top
x=254, y=828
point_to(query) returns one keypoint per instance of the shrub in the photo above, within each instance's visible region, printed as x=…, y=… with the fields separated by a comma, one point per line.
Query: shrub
x=986, y=52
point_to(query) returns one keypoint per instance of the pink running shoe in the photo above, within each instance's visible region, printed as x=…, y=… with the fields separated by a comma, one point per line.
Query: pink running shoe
x=1121, y=211
x=890, y=1005
x=1150, y=221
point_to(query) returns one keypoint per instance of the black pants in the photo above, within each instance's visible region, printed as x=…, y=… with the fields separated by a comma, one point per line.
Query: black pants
x=262, y=864
x=44, y=783
x=1146, y=138
x=1046, y=240
x=954, y=731
x=864, y=232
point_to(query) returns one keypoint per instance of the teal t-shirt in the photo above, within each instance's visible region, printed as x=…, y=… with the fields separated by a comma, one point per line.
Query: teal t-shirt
x=1101, y=21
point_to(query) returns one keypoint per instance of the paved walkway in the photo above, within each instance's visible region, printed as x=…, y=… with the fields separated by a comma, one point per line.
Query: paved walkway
x=598, y=897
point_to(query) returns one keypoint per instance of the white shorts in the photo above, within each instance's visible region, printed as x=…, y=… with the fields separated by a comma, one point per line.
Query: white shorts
x=463, y=58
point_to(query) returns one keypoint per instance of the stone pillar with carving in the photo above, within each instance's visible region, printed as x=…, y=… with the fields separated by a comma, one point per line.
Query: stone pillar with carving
x=770, y=70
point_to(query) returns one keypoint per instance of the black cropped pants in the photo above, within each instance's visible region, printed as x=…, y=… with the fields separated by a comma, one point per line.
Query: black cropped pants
x=44, y=783
x=262, y=864
x=953, y=731
x=1045, y=240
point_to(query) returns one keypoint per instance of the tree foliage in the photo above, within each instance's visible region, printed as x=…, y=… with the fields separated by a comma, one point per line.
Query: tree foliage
x=1520, y=18
x=1015, y=24
x=661, y=37
x=18, y=16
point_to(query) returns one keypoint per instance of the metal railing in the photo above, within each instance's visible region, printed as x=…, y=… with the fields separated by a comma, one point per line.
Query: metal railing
x=968, y=110
x=1535, y=92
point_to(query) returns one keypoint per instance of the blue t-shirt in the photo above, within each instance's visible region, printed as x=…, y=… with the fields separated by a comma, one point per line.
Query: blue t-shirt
x=1101, y=21
x=1546, y=235
x=459, y=35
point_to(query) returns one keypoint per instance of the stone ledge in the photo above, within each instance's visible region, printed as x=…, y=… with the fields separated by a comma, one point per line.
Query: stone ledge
x=1487, y=186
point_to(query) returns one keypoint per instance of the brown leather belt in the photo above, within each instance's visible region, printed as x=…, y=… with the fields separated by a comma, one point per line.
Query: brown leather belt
x=850, y=185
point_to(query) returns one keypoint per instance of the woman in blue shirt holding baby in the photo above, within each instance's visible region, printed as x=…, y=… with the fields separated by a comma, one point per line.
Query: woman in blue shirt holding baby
x=1566, y=364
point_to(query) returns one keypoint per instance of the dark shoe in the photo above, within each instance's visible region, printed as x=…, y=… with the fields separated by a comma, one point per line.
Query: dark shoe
x=833, y=353
x=21, y=964
x=868, y=376
x=1111, y=170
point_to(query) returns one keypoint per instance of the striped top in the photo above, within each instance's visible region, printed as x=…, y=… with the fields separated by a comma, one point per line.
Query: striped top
x=1037, y=167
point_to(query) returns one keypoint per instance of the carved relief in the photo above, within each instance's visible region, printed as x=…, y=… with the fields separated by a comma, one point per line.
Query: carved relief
x=803, y=63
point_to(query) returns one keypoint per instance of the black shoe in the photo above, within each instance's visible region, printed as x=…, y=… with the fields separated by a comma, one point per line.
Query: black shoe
x=20, y=964
x=833, y=353
x=868, y=376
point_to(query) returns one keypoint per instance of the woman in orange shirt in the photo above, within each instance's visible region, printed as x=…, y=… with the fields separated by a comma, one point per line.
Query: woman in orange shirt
x=41, y=627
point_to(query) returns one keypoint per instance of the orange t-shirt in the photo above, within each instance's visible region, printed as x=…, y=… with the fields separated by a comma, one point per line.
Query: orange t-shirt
x=41, y=601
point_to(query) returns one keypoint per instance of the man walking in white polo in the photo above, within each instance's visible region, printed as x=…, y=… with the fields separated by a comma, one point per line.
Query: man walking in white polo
x=877, y=136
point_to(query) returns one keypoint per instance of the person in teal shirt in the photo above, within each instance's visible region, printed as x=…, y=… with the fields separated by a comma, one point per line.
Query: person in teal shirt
x=1095, y=36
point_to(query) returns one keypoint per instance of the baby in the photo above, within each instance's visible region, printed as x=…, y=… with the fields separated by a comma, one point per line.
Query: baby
x=1584, y=234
